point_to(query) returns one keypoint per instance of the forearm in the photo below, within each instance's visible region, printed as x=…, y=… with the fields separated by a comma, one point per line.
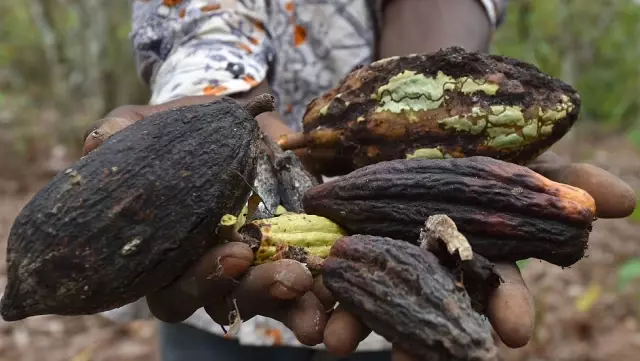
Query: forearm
x=223, y=51
x=270, y=123
x=420, y=26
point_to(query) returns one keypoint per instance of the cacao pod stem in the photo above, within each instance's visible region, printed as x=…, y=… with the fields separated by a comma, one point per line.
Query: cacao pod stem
x=259, y=104
x=227, y=230
x=478, y=272
x=441, y=228
x=293, y=141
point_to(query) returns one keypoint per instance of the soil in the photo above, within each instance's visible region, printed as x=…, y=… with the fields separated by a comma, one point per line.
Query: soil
x=566, y=329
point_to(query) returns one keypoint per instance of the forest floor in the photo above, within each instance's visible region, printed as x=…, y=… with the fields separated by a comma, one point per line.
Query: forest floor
x=581, y=314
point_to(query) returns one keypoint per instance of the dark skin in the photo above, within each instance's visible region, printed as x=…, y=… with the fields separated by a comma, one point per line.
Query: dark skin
x=284, y=290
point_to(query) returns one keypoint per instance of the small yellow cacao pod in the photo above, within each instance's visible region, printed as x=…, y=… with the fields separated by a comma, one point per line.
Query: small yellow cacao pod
x=292, y=235
x=302, y=237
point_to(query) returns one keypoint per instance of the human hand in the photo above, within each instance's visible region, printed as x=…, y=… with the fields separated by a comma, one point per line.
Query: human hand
x=223, y=280
x=511, y=308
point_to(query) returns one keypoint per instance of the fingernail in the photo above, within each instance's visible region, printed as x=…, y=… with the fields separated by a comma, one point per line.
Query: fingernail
x=231, y=266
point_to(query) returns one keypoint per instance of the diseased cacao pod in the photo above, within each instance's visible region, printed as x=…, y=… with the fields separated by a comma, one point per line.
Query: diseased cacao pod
x=303, y=237
x=451, y=103
x=135, y=213
x=404, y=294
x=506, y=211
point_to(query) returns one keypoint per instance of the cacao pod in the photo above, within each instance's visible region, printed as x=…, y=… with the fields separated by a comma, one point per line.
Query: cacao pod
x=451, y=103
x=134, y=214
x=507, y=212
x=302, y=237
x=404, y=294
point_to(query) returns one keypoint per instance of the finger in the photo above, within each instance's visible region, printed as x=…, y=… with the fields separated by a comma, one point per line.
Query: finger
x=614, y=198
x=399, y=355
x=105, y=129
x=212, y=277
x=511, y=308
x=344, y=332
x=305, y=317
x=115, y=121
x=126, y=115
x=323, y=294
x=550, y=165
x=280, y=280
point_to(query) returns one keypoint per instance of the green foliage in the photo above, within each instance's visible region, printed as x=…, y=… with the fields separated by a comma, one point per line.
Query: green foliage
x=20, y=48
x=522, y=263
x=63, y=64
x=628, y=272
x=589, y=44
x=635, y=216
x=634, y=136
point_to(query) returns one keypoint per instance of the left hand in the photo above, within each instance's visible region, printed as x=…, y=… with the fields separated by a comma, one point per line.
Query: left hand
x=224, y=279
x=511, y=308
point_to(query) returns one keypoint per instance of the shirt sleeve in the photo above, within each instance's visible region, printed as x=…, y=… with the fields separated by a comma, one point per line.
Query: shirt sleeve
x=185, y=48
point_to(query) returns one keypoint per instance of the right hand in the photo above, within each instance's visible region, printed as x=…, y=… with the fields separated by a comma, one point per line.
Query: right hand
x=283, y=290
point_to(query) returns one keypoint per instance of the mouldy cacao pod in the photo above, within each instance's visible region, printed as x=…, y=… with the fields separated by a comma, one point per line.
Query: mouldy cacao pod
x=404, y=294
x=451, y=103
x=507, y=212
x=134, y=214
x=303, y=237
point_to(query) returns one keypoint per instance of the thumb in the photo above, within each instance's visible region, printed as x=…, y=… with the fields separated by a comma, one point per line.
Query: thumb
x=126, y=115
x=399, y=355
x=112, y=123
x=105, y=128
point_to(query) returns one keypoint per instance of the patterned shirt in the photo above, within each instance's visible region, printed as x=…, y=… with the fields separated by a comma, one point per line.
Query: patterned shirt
x=221, y=47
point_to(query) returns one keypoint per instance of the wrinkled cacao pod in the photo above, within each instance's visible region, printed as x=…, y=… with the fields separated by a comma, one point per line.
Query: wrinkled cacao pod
x=134, y=214
x=404, y=294
x=451, y=103
x=507, y=212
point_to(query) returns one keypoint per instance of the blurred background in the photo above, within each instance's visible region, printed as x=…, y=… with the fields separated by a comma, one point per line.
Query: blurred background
x=64, y=63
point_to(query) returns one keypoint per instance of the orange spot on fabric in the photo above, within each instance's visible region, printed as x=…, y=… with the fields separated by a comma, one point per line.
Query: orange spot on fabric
x=276, y=335
x=212, y=7
x=259, y=27
x=214, y=90
x=171, y=3
x=289, y=6
x=289, y=108
x=300, y=35
x=250, y=80
x=182, y=13
x=253, y=40
x=244, y=47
